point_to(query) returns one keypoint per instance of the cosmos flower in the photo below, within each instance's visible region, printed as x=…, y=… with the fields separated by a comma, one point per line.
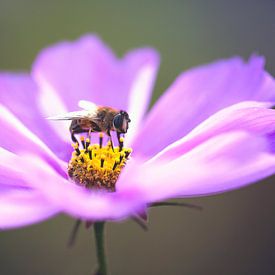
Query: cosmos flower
x=212, y=131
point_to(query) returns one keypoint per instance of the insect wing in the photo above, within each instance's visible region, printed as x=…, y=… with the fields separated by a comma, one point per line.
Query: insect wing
x=73, y=115
x=87, y=105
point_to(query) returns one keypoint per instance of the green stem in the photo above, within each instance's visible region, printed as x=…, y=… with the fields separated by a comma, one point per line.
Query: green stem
x=99, y=238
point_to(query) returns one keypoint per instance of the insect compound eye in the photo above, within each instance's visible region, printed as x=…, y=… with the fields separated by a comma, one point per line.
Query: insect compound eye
x=126, y=116
x=118, y=121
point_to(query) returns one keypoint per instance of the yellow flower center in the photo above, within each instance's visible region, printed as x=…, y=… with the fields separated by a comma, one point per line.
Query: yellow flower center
x=97, y=166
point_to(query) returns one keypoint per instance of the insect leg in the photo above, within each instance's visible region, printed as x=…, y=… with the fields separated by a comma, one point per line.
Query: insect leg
x=73, y=137
x=89, y=133
x=73, y=131
x=118, y=136
x=109, y=135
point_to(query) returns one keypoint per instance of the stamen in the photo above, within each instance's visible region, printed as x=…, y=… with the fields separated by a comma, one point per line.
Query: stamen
x=102, y=161
x=100, y=139
x=87, y=143
x=121, y=157
x=121, y=140
x=75, y=146
x=127, y=153
x=82, y=139
x=115, y=165
x=90, y=150
x=97, y=166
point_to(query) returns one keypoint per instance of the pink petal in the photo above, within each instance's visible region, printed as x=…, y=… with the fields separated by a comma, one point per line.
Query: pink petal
x=222, y=163
x=9, y=178
x=18, y=92
x=88, y=70
x=70, y=198
x=16, y=138
x=140, y=92
x=252, y=117
x=199, y=93
x=23, y=207
x=81, y=203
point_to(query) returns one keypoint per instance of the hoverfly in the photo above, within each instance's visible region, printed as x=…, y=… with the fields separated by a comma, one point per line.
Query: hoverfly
x=95, y=118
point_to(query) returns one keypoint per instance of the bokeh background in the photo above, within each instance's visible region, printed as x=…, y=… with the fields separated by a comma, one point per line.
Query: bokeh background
x=235, y=233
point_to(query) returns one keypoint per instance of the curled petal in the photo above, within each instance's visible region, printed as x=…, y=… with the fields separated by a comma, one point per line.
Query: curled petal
x=198, y=94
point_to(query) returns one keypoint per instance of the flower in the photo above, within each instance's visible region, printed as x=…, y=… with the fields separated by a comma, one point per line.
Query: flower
x=212, y=131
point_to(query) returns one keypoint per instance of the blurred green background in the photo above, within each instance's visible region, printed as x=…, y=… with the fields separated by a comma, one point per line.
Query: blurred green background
x=235, y=233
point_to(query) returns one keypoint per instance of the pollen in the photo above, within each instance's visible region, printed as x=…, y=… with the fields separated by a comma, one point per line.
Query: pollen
x=95, y=166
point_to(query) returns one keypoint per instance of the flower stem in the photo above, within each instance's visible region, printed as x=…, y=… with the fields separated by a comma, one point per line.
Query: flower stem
x=99, y=238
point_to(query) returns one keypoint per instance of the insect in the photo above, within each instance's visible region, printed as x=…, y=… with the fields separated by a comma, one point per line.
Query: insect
x=95, y=118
